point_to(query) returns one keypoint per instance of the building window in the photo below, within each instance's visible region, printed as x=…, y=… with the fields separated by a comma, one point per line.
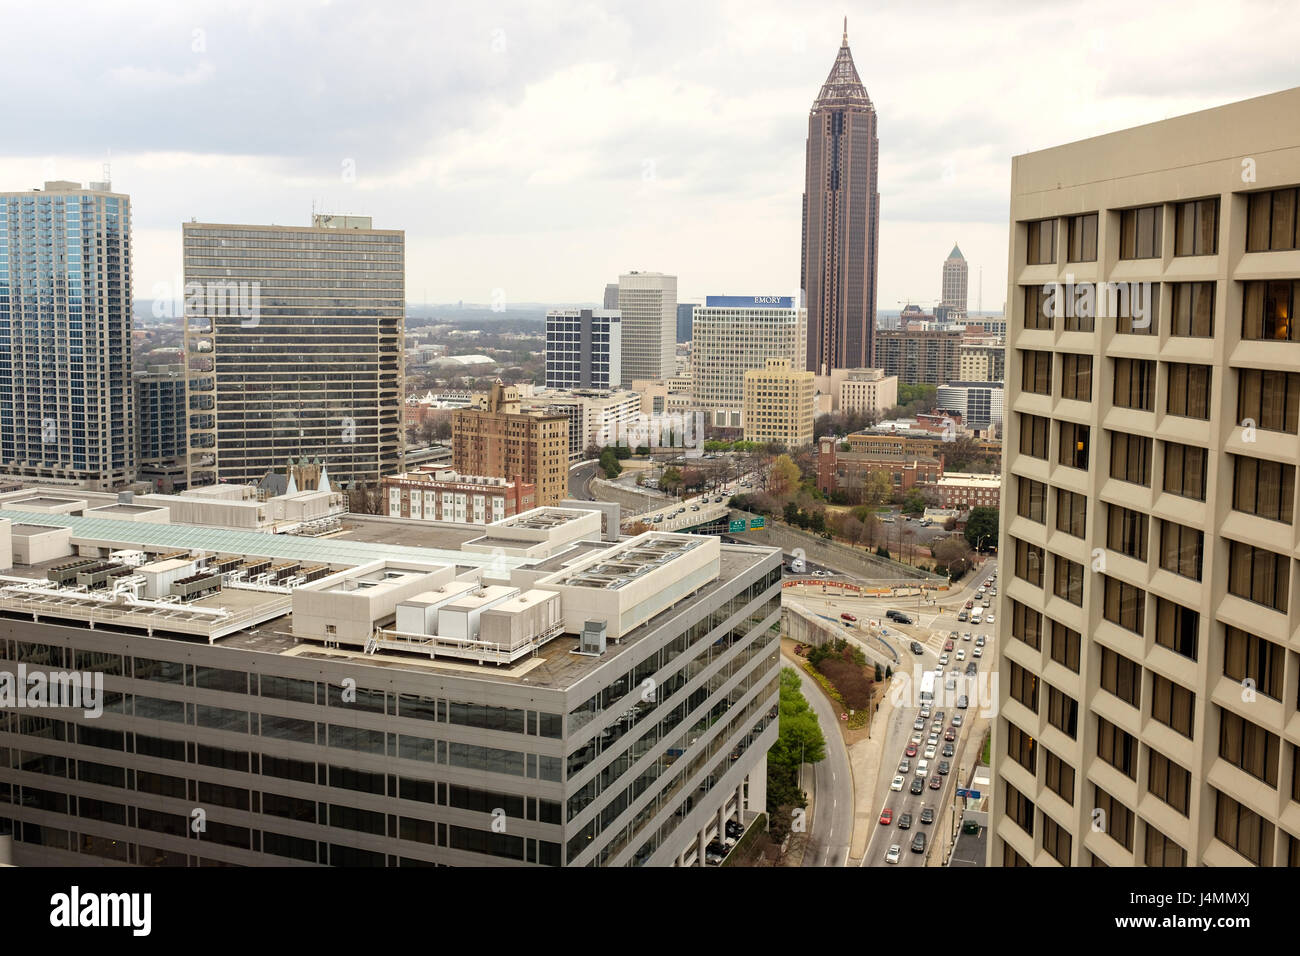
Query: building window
x=1065, y=646
x=1115, y=818
x=1060, y=777
x=1042, y=243
x=1130, y=458
x=1189, y=391
x=1181, y=549
x=1011, y=858
x=1063, y=712
x=1026, y=625
x=1247, y=657
x=1193, y=310
x=1268, y=311
x=1177, y=627
x=1172, y=704
x=1196, y=228
x=1056, y=840
x=1019, y=809
x=1076, y=377
x=1162, y=851
x=1038, y=307
x=1020, y=748
x=1125, y=605
x=1067, y=579
x=1272, y=223
x=1258, y=575
x=1263, y=488
x=1029, y=562
x=1033, y=436
x=1024, y=686
x=1071, y=512
x=1031, y=499
x=1036, y=372
x=1126, y=531
x=1074, y=444
x=1185, y=469
x=1135, y=384
x=1083, y=238
x=1117, y=747
x=1168, y=781
x=1139, y=233
x=1243, y=829
x=1137, y=309
x=1271, y=400
x=1249, y=747
x=1121, y=677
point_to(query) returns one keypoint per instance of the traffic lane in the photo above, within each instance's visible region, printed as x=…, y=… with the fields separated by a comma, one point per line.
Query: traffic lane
x=580, y=482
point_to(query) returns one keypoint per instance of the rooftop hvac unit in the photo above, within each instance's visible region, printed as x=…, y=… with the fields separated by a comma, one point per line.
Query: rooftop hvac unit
x=592, y=640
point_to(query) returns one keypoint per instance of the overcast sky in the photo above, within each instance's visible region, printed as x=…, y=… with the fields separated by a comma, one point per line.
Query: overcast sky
x=543, y=148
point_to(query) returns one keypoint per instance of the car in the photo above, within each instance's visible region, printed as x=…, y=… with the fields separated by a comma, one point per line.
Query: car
x=938, y=715
x=971, y=669
x=922, y=768
x=950, y=733
x=963, y=616
x=947, y=645
x=695, y=507
x=918, y=724
x=935, y=782
x=961, y=653
x=917, y=648
x=658, y=518
x=918, y=842
x=886, y=817
x=977, y=653
x=893, y=854
x=916, y=738
x=896, y=783
x=966, y=636
x=957, y=719
x=962, y=702
x=905, y=766
x=918, y=785
x=983, y=588
x=943, y=658
x=925, y=711
x=989, y=619
x=933, y=740
x=948, y=750
x=936, y=725
x=927, y=814
x=969, y=605
x=986, y=603
x=979, y=641
x=911, y=750
x=715, y=853
x=846, y=616
x=950, y=684
x=905, y=822
x=944, y=767
x=903, y=619
x=735, y=828
x=930, y=751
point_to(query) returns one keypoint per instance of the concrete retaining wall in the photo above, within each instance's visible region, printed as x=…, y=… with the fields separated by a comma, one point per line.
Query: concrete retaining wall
x=857, y=561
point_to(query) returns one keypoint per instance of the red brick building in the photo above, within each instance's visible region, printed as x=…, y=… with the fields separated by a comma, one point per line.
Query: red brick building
x=849, y=471
x=440, y=494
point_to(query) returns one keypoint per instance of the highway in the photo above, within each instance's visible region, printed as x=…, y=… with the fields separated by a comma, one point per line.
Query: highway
x=580, y=481
x=695, y=510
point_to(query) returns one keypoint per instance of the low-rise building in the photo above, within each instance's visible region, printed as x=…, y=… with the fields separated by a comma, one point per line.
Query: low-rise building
x=963, y=490
x=442, y=494
x=851, y=472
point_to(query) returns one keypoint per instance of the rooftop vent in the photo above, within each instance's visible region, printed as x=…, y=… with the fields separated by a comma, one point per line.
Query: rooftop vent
x=592, y=640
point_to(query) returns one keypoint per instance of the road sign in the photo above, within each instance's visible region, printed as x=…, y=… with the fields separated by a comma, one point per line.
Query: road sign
x=757, y=523
x=738, y=525
x=973, y=794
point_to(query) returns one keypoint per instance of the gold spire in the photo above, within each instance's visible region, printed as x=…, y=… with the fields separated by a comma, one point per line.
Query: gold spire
x=846, y=32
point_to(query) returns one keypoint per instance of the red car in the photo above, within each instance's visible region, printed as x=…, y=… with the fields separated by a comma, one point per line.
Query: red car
x=935, y=782
x=911, y=750
x=969, y=605
x=846, y=616
x=886, y=816
x=948, y=645
x=950, y=733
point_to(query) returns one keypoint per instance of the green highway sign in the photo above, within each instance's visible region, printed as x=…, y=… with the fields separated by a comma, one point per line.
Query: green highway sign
x=737, y=525
x=757, y=523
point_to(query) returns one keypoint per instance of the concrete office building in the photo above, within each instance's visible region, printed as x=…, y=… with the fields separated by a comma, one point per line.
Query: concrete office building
x=978, y=403
x=920, y=356
x=160, y=435
x=497, y=439
x=779, y=404
x=584, y=348
x=982, y=363
x=65, y=323
x=1148, y=665
x=841, y=221
x=733, y=334
x=595, y=417
x=867, y=390
x=611, y=296
x=485, y=683
x=953, y=297
x=293, y=338
x=647, y=302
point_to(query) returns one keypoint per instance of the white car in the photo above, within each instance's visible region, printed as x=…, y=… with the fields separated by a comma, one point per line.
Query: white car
x=895, y=852
x=943, y=658
x=916, y=738
x=922, y=768
x=930, y=751
x=989, y=619
x=961, y=653
x=905, y=766
x=918, y=724
x=967, y=635
x=925, y=712
x=896, y=783
x=977, y=653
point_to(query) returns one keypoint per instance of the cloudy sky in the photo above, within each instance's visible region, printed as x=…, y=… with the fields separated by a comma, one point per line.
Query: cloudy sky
x=540, y=148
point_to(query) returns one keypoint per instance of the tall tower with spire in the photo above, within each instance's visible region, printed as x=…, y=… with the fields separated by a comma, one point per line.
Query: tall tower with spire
x=841, y=220
x=955, y=275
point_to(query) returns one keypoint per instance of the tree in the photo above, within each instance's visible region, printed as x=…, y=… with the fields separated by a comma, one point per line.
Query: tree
x=914, y=502
x=952, y=555
x=878, y=488
x=852, y=530
x=799, y=740
x=879, y=677
x=638, y=527
x=889, y=672
x=783, y=480
x=982, y=527
x=609, y=462
x=671, y=481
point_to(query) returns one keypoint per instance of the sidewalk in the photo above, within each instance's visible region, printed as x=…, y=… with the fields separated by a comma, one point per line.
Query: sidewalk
x=864, y=761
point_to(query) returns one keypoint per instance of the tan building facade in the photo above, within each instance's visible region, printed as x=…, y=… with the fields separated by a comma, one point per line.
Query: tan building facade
x=867, y=390
x=779, y=404
x=1148, y=666
x=919, y=356
x=497, y=440
x=440, y=494
x=982, y=363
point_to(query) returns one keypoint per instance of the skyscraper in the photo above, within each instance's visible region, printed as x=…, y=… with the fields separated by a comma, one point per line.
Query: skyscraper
x=611, y=295
x=841, y=221
x=161, y=440
x=293, y=339
x=685, y=315
x=953, y=298
x=66, y=402
x=648, y=302
x=584, y=348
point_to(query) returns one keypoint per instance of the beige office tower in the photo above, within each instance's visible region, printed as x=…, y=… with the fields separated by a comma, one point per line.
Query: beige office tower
x=733, y=334
x=648, y=303
x=293, y=342
x=955, y=273
x=495, y=438
x=779, y=404
x=1148, y=665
